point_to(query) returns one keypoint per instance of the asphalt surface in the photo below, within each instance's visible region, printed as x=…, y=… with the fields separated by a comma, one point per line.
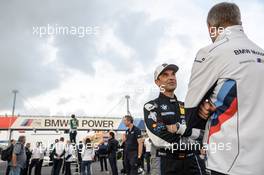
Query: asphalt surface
x=96, y=170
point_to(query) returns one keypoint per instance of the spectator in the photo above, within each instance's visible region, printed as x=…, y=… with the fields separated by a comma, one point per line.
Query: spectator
x=112, y=149
x=87, y=157
x=19, y=158
x=35, y=159
x=51, y=153
x=68, y=157
x=42, y=154
x=28, y=154
x=102, y=152
x=58, y=152
x=12, y=143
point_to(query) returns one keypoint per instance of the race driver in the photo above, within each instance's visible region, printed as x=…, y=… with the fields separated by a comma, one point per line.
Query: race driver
x=229, y=75
x=165, y=123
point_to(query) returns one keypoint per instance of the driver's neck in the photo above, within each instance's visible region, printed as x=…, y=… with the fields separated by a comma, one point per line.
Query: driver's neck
x=169, y=94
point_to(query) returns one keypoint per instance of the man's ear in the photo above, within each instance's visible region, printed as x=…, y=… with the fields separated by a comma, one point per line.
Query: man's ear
x=209, y=28
x=213, y=32
x=157, y=82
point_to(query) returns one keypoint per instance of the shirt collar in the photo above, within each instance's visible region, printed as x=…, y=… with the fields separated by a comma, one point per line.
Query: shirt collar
x=172, y=100
x=132, y=129
x=231, y=32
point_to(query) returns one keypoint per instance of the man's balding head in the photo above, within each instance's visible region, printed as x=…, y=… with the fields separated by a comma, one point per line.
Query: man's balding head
x=224, y=14
x=221, y=16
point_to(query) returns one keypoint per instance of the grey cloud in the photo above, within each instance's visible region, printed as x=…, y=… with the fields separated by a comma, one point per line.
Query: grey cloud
x=141, y=34
x=22, y=54
x=21, y=57
x=63, y=101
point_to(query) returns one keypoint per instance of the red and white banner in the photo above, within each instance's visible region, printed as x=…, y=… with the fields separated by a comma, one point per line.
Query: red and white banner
x=23, y=122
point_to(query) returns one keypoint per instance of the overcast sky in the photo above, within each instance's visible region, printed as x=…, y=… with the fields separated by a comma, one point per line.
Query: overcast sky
x=60, y=74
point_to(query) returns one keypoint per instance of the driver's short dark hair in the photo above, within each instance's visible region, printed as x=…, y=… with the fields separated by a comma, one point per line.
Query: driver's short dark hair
x=129, y=118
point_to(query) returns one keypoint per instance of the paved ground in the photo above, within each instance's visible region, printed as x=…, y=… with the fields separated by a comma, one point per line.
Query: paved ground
x=47, y=170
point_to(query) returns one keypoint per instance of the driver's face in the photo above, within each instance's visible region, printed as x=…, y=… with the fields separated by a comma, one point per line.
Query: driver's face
x=167, y=80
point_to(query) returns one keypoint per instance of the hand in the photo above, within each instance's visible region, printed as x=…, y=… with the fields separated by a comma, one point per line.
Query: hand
x=172, y=128
x=123, y=137
x=205, y=109
x=139, y=161
x=203, y=151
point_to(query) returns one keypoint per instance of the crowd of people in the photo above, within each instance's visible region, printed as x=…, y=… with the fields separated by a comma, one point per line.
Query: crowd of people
x=67, y=157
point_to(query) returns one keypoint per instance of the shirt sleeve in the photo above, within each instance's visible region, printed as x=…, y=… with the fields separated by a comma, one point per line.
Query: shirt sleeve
x=93, y=153
x=206, y=70
x=138, y=134
x=71, y=150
